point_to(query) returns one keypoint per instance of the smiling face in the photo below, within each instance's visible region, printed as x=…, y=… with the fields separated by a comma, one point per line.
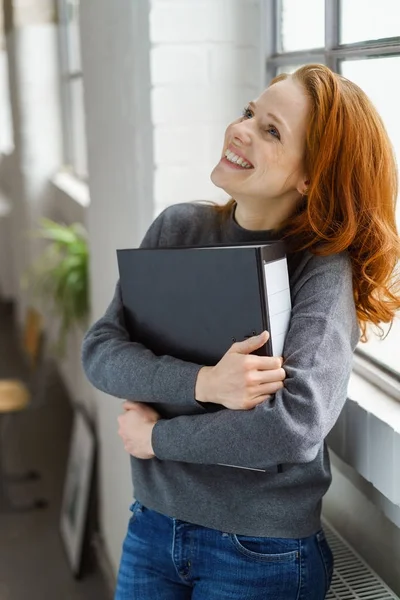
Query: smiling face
x=270, y=138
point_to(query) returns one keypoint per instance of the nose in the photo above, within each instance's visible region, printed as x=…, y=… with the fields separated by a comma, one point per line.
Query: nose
x=241, y=134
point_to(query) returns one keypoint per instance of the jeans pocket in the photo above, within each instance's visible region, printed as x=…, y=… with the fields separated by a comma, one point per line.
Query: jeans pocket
x=135, y=509
x=266, y=549
x=326, y=556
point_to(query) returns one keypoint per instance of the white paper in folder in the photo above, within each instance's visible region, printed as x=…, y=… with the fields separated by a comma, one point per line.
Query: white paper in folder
x=279, y=303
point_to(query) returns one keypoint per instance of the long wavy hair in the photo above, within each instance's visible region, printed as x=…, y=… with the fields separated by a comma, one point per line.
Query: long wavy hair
x=351, y=200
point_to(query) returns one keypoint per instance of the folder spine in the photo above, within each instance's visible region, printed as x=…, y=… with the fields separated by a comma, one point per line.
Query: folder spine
x=267, y=350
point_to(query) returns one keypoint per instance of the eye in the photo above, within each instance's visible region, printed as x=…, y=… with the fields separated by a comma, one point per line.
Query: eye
x=247, y=113
x=273, y=131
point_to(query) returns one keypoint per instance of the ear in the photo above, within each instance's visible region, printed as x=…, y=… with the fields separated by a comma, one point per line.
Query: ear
x=303, y=185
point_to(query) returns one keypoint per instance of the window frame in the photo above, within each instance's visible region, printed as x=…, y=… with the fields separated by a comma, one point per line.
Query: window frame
x=67, y=77
x=332, y=54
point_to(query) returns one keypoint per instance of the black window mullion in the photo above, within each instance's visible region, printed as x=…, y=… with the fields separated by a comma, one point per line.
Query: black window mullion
x=380, y=49
x=278, y=46
x=297, y=57
x=273, y=35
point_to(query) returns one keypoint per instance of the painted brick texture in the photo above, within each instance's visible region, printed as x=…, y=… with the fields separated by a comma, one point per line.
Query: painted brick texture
x=205, y=67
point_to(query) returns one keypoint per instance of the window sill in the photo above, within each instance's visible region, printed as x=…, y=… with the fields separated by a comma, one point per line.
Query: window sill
x=367, y=436
x=71, y=185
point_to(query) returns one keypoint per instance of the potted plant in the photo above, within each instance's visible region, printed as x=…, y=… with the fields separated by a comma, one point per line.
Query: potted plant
x=60, y=276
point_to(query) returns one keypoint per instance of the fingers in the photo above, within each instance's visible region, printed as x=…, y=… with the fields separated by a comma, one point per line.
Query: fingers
x=120, y=427
x=143, y=411
x=260, y=399
x=267, y=376
x=264, y=393
x=121, y=422
x=264, y=363
x=257, y=400
x=251, y=344
x=129, y=405
x=268, y=388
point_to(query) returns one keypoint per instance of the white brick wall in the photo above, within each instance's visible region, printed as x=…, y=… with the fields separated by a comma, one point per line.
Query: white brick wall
x=173, y=143
x=199, y=21
x=180, y=64
x=205, y=66
x=200, y=104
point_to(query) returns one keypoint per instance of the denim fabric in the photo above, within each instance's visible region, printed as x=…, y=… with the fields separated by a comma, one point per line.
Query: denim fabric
x=169, y=559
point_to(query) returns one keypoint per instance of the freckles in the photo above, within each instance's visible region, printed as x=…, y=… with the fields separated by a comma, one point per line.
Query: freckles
x=280, y=155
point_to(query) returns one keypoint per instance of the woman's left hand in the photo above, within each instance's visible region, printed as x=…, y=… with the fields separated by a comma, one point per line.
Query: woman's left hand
x=136, y=428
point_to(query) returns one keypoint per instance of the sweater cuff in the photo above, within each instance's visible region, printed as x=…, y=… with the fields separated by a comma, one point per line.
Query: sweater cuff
x=156, y=439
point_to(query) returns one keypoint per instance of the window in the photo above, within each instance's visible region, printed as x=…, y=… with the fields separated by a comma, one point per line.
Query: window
x=292, y=37
x=379, y=20
x=75, y=154
x=360, y=40
x=6, y=128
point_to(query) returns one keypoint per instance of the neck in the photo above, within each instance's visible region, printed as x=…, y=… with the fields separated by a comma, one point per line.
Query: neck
x=264, y=214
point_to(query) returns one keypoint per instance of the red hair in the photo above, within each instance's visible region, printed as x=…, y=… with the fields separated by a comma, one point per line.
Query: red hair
x=351, y=201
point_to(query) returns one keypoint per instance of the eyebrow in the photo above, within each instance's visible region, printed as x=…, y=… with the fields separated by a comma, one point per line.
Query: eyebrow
x=277, y=119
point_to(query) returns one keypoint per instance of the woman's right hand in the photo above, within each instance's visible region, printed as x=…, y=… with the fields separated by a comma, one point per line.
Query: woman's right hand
x=241, y=380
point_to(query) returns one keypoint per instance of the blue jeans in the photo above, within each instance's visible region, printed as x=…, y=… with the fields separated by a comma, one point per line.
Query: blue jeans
x=169, y=559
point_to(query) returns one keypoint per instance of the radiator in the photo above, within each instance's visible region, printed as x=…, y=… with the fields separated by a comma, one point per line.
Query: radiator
x=353, y=579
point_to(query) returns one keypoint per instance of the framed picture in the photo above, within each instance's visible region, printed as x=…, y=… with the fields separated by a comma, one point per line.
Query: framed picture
x=77, y=488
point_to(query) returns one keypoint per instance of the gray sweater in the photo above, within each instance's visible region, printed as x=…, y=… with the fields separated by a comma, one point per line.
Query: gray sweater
x=185, y=480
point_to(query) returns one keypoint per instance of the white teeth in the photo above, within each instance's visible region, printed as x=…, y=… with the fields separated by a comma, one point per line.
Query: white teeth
x=235, y=159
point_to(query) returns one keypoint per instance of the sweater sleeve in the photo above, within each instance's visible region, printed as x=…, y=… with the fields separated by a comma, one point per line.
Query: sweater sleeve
x=291, y=427
x=126, y=369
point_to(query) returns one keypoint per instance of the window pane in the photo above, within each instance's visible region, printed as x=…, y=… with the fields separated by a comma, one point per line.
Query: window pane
x=376, y=78
x=78, y=128
x=302, y=24
x=73, y=41
x=361, y=20
x=386, y=351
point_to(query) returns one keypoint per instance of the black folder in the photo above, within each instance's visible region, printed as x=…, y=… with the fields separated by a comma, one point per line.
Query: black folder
x=193, y=303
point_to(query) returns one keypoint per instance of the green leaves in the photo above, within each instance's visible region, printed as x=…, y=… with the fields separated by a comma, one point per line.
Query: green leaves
x=60, y=277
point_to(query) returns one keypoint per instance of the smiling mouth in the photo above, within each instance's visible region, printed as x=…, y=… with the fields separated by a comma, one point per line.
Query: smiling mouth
x=237, y=160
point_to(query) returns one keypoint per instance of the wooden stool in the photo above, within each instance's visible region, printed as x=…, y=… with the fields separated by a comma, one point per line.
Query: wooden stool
x=14, y=396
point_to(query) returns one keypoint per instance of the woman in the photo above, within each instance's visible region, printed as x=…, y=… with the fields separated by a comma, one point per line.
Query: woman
x=308, y=162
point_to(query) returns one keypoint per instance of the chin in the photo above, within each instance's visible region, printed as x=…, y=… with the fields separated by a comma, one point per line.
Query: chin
x=219, y=179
